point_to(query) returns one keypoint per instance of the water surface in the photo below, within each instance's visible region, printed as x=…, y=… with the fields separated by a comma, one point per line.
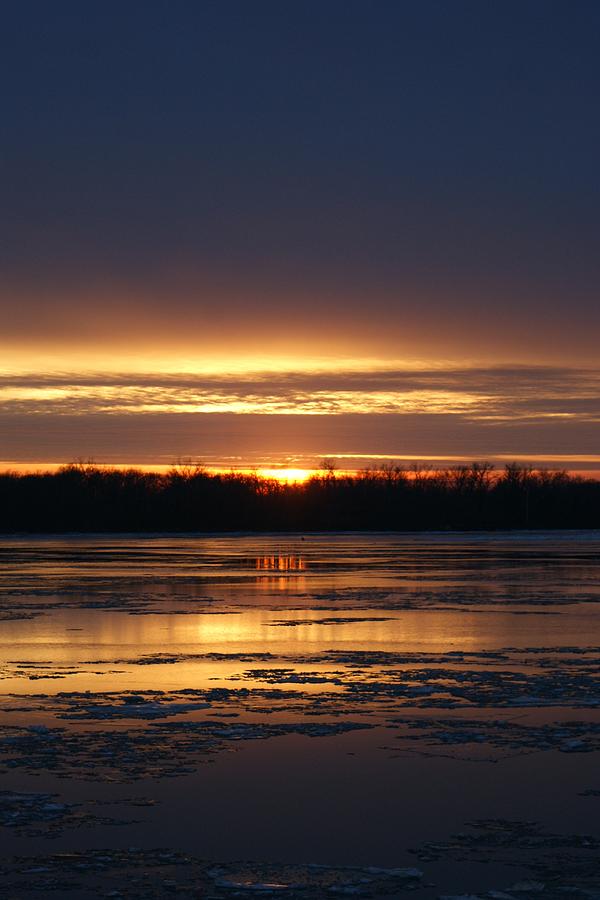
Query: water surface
x=342, y=700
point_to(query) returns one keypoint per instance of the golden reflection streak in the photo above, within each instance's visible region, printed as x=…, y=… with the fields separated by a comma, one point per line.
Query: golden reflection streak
x=281, y=563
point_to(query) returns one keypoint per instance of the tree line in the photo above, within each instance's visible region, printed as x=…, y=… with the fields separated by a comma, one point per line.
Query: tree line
x=90, y=498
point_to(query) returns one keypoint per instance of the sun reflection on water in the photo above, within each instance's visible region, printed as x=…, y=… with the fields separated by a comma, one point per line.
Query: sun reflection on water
x=281, y=562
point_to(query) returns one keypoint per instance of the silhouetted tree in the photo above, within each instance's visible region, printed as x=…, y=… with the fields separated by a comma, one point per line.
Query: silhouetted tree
x=85, y=497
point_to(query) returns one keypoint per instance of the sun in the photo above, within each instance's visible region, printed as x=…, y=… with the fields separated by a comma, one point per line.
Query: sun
x=289, y=476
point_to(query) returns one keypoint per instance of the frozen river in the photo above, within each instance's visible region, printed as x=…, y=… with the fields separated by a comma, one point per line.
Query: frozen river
x=302, y=715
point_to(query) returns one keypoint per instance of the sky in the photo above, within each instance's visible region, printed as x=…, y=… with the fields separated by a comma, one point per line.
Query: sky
x=258, y=234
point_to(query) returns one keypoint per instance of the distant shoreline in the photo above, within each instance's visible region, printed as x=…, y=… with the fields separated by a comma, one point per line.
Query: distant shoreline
x=515, y=533
x=87, y=499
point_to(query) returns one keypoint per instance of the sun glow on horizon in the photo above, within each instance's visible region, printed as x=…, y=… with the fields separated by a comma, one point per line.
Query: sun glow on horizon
x=287, y=476
x=30, y=360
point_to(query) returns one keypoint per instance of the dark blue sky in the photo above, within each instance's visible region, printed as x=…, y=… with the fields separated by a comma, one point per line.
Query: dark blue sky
x=439, y=155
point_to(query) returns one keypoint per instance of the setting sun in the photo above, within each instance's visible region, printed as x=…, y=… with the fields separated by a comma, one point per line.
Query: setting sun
x=288, y=476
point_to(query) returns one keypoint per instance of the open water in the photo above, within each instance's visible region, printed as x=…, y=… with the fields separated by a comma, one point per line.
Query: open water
x=308, y=715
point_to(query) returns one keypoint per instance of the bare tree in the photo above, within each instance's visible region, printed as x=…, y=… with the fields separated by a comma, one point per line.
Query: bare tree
x=329, y=465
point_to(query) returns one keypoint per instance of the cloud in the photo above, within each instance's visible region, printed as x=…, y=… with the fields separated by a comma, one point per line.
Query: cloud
x=475, y=394
x=359, y=413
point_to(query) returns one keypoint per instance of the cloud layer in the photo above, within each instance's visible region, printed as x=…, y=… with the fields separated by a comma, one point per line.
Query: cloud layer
x=545, y=414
